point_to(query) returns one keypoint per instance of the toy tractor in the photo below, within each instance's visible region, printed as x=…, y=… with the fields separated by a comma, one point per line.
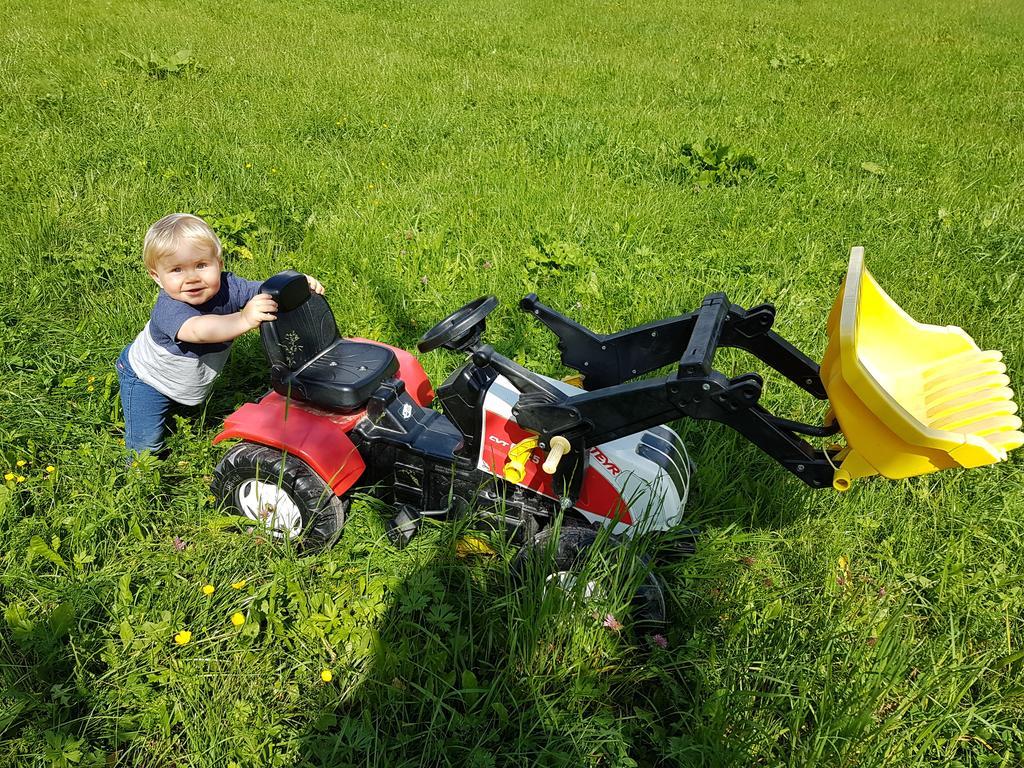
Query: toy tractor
x=523, y=450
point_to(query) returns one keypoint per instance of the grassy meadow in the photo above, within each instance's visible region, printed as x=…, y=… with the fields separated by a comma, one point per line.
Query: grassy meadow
x=620, y=159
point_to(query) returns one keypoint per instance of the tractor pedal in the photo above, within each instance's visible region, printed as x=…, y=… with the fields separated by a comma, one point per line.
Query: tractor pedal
x=404, y=525
x=407, y=521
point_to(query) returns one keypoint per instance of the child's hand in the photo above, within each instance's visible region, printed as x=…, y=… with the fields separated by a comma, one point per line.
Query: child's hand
x=314, y=285
x=259, y=309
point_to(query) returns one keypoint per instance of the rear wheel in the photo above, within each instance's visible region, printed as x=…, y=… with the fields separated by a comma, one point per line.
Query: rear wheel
x=564, y=561
x=281, y=493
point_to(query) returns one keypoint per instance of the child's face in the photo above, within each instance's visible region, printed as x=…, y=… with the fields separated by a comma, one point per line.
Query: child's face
x=191, y=275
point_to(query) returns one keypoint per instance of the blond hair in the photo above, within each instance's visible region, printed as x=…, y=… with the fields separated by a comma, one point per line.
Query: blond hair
x=165, y=235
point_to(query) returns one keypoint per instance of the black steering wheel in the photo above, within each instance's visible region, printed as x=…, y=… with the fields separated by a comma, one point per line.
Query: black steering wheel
x=461, y=329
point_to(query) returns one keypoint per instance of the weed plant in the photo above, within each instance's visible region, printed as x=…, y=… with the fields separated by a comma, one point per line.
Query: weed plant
x=414, y=156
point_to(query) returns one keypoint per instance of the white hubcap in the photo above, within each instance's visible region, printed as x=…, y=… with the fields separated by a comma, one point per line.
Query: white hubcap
x=566, y=581
x=271, y=506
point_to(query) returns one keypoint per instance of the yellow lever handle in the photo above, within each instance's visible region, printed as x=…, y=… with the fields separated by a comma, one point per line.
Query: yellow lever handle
x=559, y=447
x=518, y=455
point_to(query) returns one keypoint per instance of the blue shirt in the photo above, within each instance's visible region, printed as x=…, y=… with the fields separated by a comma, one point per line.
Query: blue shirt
x=182, y=370
x=170, y=314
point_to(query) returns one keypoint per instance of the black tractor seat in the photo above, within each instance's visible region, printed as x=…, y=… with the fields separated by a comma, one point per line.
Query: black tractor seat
x=309, y=360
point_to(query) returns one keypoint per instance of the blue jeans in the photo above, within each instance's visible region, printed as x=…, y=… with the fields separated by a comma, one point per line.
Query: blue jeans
x=145, y=410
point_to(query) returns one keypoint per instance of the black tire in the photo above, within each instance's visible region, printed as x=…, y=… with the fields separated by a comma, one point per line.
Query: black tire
x=570, y=552
x=322, y=513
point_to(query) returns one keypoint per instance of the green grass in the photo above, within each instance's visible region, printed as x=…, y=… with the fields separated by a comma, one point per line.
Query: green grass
x=413, y=156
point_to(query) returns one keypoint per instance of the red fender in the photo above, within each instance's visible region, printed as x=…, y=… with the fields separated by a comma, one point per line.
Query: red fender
x=317, y=437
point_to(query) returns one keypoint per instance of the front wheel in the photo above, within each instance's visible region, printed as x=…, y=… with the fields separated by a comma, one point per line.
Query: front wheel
x=281, y=493
x=565, y=560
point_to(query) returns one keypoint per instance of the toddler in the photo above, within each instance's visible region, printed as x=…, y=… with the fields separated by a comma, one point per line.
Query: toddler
x=199, y=311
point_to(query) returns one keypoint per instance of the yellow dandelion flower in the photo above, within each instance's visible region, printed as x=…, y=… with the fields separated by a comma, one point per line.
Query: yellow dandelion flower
x=20, y=478
x=208, y=589
x=248, y=165
x=9, y=476
x=238, y=584
x=50, y=468
x=90, y=380
x=326, y=676
x=90, y=388
x=273, y=170
x=21, y=463
x=183, y=637
x=238, y=619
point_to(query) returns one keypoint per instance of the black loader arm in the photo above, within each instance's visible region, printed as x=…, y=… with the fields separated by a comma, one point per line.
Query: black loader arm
x=695, y=389
x=609, y=359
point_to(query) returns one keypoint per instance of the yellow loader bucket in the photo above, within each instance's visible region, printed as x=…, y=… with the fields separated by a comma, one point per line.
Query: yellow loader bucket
x=910, y=398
